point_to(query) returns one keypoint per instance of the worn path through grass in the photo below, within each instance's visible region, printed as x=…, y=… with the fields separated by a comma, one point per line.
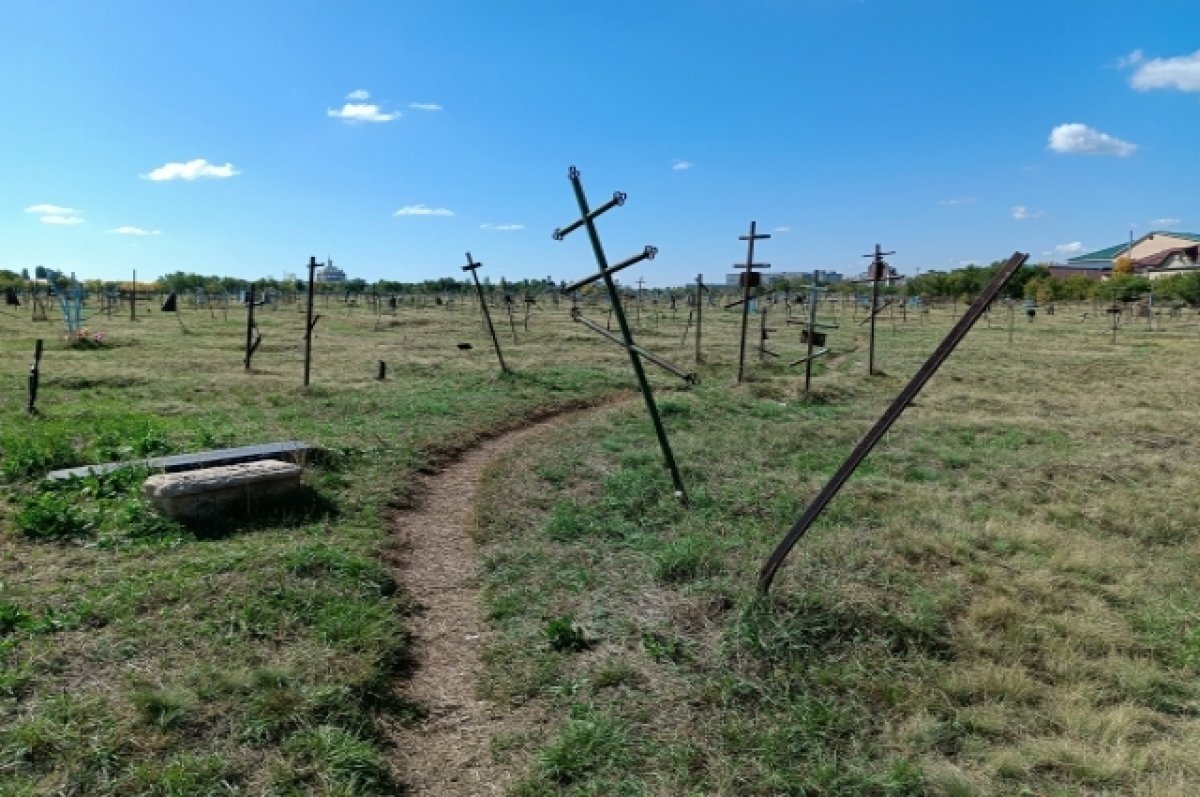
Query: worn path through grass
x=448, y=752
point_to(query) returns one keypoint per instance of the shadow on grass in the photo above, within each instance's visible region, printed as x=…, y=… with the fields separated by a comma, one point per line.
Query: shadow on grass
x=304, y=505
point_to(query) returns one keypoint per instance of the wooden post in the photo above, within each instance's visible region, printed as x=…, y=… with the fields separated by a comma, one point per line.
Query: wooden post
x=699, y=304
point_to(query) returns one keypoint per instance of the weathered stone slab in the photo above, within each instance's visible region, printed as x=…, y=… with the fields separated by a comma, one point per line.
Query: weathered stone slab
x=196, y=494
x=289, y=450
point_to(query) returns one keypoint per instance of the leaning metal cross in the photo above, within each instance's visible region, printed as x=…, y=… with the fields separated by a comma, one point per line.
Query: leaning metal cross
x=747, y=279
x=472, y=266
x=605, y=272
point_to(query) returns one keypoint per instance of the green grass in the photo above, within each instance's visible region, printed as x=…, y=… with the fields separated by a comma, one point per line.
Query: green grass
x=1001, y=601
x=255, y=654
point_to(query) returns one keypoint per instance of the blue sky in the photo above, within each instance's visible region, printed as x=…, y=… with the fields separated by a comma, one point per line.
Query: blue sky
x=934, y=128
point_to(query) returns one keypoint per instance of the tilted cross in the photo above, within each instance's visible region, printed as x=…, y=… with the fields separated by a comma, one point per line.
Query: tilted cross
x=605, y=272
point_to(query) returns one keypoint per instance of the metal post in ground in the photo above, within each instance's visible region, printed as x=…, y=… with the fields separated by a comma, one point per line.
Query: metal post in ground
x=34, y=377
x=890, y=416
x=605, y=272
x=749, y=280
x=471, y=266
x=310, y=320
x=876, y=273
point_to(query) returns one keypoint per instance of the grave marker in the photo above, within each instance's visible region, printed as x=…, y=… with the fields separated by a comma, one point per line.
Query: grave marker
x=605, y=272
x=310, y=320
x=875, y=272
x=891, y=414
x=472, y=266
x=750, y=279
x=34, y=377
x=253, y=336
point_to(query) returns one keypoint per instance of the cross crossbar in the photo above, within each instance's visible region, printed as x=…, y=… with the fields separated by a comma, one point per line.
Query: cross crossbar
x=617, y=200
x=648, y=253
x=662, y=362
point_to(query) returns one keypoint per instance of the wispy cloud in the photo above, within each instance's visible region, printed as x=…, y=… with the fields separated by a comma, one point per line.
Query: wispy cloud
x=128, y=230
x=1163, y=224
x=1022, y=213
x=422, y=210
x=956, y=201
x=1077, y=139
x=969, y=262
x=502, y=227
x=198, y=169
x=55, y=214
x=682, y=166
x=353, y=112
x=783, y=229
x=425, y=106
x=358, y=95
x=1073, y=248
x=1181, y=72
x=1126, y=61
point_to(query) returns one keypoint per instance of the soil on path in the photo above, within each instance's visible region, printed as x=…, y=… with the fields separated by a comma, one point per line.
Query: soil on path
x=449, y=753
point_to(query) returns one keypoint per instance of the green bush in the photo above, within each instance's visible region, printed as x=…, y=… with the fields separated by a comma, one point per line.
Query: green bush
x=52, y=515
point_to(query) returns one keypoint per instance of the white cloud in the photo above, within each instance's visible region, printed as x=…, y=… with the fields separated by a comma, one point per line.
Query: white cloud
x=55, y=214
x=1134, y=57
x=421, y=210
x=1073, y=248
x=1077, y=139
x=197, y=169
x=1162, y=224
x=57, y=210
x=502, y=227
x=783, y=229
x=965, y=263
x=362, y=112
x=358, y=95
x=965, y=200
x=1022, y=213
x=1181, y=72
x=128, y=230
x=682, y=166
x=425, y=106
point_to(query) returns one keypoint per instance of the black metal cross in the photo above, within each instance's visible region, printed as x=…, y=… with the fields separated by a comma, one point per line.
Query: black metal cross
x=812, y=335
x=472, y=266
x=876, y=272
x=749, y=280
x=605, y=272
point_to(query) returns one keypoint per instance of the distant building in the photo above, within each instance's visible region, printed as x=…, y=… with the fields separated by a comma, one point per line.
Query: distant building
x=329, y=273
x=1156, y=254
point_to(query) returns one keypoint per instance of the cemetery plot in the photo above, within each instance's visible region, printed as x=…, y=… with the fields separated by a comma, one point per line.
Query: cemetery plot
x=1005, y=582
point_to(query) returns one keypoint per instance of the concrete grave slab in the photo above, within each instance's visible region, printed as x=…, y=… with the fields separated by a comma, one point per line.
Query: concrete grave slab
x=196, y=494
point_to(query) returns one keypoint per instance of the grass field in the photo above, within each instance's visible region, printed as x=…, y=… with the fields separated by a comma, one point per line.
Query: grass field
x=1002, y=601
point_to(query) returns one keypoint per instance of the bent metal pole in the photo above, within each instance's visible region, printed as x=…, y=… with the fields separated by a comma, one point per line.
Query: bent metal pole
x=889, y=417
